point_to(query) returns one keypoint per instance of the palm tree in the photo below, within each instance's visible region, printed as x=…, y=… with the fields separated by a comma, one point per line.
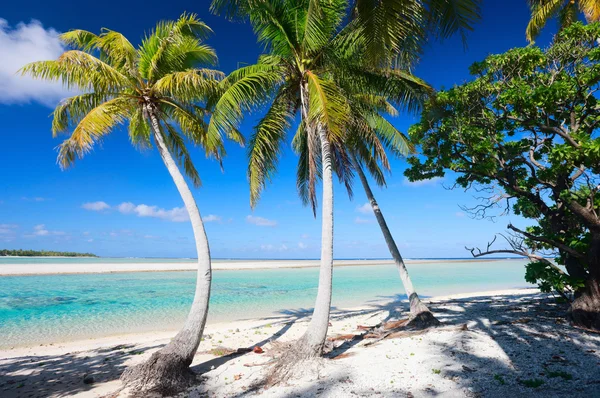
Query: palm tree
x=396, y=31
x=567, y=12
x=156, y=90
x=311, y=52
x=373, y=134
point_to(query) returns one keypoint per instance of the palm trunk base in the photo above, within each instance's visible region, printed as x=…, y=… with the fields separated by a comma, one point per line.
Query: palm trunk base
x=585, y=310
x=420, y=316
x=295, y=360
x=422, y=320
x=165, y=373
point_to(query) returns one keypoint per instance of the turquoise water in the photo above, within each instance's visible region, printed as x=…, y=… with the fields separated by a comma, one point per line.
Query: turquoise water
x=50, y=308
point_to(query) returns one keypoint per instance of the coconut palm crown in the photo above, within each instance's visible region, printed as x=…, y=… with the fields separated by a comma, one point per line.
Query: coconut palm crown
x=313, y=67
x=121, y=84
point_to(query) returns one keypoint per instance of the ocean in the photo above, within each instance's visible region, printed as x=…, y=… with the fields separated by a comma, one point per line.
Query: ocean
x=53, y=308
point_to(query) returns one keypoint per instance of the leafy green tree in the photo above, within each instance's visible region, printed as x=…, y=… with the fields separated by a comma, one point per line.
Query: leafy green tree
x=567, y=12
x=42, y=253
x=157, y=91
x=526, y=131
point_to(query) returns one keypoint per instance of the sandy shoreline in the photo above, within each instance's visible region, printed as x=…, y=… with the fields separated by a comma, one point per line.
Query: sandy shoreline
x=512, y=337
x=94, y=268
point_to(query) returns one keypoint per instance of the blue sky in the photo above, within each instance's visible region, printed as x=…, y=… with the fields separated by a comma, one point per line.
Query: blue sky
x=121, y=202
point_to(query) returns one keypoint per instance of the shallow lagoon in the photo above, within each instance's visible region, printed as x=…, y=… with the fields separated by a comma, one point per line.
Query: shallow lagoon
x=48, y=308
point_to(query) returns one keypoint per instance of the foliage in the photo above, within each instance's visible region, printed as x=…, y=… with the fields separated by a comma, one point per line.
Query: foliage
x=315, y=67
x=159, y=81
x=42, y=253
x=567, y=12
x=524, y=132
x=397, y=30
x=532, y=383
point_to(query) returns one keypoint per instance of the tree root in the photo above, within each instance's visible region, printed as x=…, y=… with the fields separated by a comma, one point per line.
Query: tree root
x=390, y=330
x=423, y=320
x=585, y=310
x=292, y=361
x=162, y=374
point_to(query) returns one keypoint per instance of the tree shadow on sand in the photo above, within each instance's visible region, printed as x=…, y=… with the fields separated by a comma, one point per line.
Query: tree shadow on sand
x=544, y=355
x=514, y=346
x=63, y=375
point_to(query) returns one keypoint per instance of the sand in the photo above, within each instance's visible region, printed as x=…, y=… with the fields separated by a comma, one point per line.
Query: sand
x=90, y=268
x=516, y=344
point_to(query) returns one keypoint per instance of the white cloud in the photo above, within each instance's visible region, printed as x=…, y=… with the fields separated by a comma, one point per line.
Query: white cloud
x=126, y=207
x=305, y=236
x=176, y=214
x=272, y=248
x=302, y=245
x=260, y=221
x=96, y=206
x=360, y=220
x=19, y=45
x=90, y=240
x=36, y=199
x=41, y=230
x=211, y=218
x=460, y=214
x=365, y=209
x=431, y=181
x=7, y=229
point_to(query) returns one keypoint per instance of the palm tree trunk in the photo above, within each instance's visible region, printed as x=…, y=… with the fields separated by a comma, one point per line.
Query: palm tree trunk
x=167, y=370
x=316, y=333
x=312, y=342
x=420, y=315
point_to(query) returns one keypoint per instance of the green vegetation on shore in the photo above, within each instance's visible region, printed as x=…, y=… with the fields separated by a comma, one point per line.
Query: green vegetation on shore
x=42, y=253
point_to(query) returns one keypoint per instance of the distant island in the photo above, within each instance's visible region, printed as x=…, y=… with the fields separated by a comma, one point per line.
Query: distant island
x=42, y=253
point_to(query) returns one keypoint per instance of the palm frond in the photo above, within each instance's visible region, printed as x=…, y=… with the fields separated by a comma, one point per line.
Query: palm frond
x=189, y=85
x=446, y=17
x=327, y=106
x=308, y=171
x=78, y=69
x=541, y=12
x=177, y=147
x=266, y=144
x=70, y=111
x=173, y=45
x=193, y=126
x=79, y=39
x=92, y=128
x=139, y=129
x=391, y=29
x=243, y=90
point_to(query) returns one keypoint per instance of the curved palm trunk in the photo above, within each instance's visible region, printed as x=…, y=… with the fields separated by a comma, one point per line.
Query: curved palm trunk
x=420, y=315
x=167, y=370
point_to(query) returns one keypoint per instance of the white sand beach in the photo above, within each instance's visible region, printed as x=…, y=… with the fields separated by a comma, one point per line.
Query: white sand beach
x=37, y=268
x=516, y=343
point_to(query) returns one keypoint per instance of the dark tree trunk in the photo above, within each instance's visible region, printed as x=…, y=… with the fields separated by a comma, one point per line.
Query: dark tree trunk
x=585, y=310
